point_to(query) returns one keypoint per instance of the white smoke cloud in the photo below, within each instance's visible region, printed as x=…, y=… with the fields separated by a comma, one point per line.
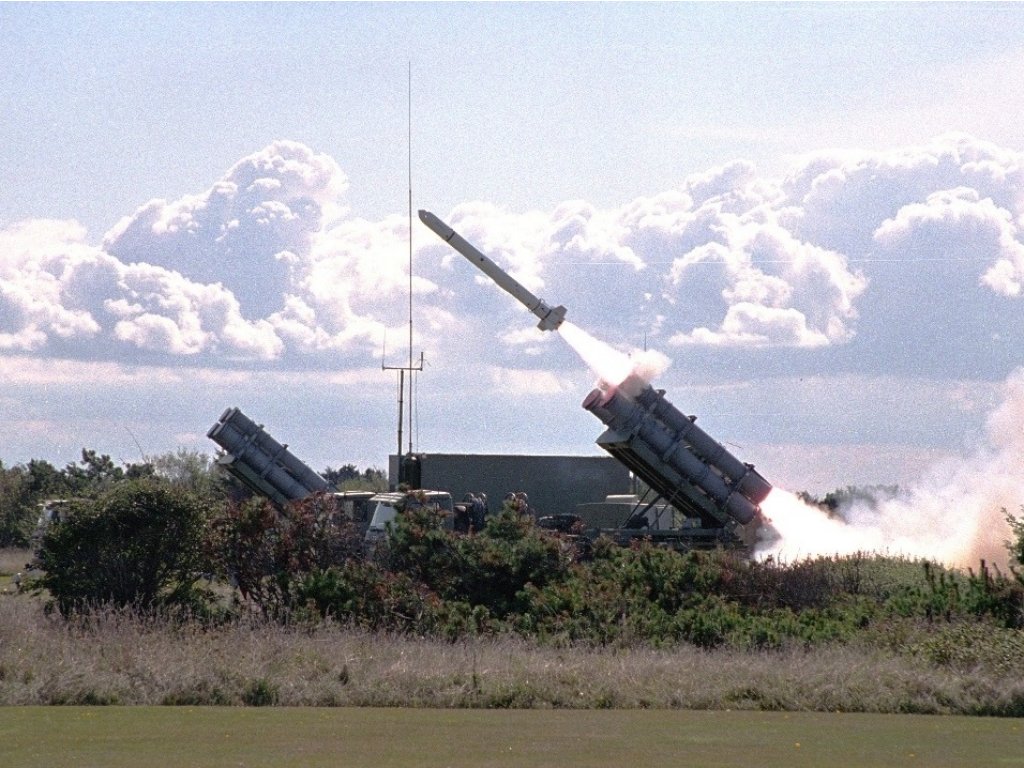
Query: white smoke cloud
x=954, y=514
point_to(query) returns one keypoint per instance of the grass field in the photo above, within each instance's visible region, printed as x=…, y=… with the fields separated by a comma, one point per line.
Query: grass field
x=200, y=737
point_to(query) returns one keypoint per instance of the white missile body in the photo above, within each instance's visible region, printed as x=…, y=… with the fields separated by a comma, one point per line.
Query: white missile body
x=550, y=318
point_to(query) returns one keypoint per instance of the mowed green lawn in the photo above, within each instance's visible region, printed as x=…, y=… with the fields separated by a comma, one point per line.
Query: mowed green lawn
x=168, y=737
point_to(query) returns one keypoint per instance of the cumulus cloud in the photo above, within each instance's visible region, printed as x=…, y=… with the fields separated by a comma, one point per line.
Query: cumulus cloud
x=959, y=224
x=261, y=264
x=268, y=264
x=38, y=262
x=517, y=381
x=775, y=288
x=794, y=262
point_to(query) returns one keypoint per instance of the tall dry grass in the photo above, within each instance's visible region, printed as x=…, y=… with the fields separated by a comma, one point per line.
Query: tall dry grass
x=120, y=658
x=14, y=560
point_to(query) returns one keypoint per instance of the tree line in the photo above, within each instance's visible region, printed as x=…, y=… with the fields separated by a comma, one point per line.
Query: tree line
x=24, y=488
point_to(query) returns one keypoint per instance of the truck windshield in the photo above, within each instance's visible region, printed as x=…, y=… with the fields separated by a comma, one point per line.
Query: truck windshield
x=386, y=511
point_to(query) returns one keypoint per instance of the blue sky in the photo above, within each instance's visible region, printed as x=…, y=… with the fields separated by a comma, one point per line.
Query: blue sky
x=813, y=210
x=625, y=100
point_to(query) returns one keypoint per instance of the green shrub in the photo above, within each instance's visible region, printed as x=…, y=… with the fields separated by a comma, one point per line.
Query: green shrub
x=364, y=594
x=489, y=570
x=17, y=508
x=261, y=693
x=991, y=593
x=140, y=544
x=268, y=553
x=971, y=647
x=1015, y=544
x=499, y=563
x=418, y=546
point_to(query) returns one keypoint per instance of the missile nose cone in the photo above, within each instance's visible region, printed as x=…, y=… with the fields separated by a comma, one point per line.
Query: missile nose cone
x=439, y=227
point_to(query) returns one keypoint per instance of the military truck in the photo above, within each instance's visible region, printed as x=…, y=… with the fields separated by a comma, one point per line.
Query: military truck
x=385, y=508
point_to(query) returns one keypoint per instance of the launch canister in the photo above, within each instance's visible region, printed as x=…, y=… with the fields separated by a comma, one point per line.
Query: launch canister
x=550, y=318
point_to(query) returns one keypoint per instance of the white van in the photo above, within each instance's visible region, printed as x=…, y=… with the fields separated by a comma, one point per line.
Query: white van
x=385, y=508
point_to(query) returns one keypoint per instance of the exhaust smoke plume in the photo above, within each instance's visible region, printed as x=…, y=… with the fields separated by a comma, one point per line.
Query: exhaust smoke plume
x=954, y=514
x=612, y=366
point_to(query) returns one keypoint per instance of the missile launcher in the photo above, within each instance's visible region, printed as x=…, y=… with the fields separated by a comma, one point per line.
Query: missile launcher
x=262, y=463
x=678, y=460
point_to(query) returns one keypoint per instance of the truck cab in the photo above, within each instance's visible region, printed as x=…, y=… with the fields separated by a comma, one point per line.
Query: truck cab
x=356, y=506
x=385, y=507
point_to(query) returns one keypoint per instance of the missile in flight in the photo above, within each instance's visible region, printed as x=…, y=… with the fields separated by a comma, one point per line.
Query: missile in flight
x=550, y=318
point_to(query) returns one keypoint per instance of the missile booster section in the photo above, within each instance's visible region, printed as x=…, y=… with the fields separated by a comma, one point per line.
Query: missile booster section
x=680, y=462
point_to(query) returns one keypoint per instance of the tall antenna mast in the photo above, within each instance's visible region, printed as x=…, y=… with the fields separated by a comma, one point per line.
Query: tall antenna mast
x=410, y=367
x=409, y=157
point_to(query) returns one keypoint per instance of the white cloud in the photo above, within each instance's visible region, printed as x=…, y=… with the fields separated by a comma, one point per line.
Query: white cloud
x=258, y=265
x=526, y=381
x=517, y=242
x=754, y=325
x=38, y=261
x=580, y=232
x=959, y=224
x=267, y=265
x=776, y=289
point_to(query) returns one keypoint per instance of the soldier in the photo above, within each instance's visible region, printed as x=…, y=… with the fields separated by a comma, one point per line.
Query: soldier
x=463, y=514
x=519, y=503
x=512, y=501
x=524, y=504
x=478, y=512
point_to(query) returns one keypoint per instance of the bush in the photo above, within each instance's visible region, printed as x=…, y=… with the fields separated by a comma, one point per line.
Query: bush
x=991, y=593
x=972, y=647
x=17, y=508
x=510, y=554
x=140, y=544
x=363, y=594
x=261, y=693
x=268, y=554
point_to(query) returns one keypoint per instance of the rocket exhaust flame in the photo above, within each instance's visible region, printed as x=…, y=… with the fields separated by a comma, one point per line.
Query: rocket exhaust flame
x=611, y=366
